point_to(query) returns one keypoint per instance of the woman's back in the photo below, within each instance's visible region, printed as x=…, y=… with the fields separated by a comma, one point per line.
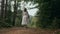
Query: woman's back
x=25, y=17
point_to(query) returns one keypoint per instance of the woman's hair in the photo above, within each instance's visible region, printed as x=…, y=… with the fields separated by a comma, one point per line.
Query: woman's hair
x=25, y=10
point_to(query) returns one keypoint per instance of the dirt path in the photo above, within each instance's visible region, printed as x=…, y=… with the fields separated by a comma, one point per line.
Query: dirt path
x=25, y=31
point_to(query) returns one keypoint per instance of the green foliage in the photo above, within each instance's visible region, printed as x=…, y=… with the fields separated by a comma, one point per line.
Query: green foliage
x=18, y=18
x=8, y=20
x=49, y=14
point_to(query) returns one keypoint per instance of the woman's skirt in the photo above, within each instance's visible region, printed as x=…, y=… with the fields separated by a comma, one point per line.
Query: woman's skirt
x=25, y=20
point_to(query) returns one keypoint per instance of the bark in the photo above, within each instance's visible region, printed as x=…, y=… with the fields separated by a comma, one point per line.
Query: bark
x=15, y=12
x=2, y=8
x=6, y=8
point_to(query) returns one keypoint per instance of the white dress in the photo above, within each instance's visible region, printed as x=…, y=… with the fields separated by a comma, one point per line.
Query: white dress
x=25, y=19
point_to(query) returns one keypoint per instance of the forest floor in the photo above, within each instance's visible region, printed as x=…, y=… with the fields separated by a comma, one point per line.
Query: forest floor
x=23, y=30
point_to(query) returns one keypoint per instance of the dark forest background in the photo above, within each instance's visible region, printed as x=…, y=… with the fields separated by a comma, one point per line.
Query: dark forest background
x=48, y=15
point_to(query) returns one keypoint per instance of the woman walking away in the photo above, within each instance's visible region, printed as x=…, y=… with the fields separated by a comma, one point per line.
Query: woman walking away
x=25, y=18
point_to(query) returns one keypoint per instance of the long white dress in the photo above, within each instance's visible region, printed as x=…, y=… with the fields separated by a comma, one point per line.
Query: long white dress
x=25, y=18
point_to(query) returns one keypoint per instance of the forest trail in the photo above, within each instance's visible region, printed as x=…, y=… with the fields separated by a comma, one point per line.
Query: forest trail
x=22, y=30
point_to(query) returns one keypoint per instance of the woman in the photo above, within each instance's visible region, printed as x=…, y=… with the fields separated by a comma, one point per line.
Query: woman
x=25, y=17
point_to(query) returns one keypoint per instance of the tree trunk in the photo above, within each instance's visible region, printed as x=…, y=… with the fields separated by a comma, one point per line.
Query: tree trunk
x=2, y=8
x=6, y=8
x=2, y=11
x=15, y=12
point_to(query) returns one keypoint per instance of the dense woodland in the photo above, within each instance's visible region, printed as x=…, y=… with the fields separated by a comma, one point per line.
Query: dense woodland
x=48, y=15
